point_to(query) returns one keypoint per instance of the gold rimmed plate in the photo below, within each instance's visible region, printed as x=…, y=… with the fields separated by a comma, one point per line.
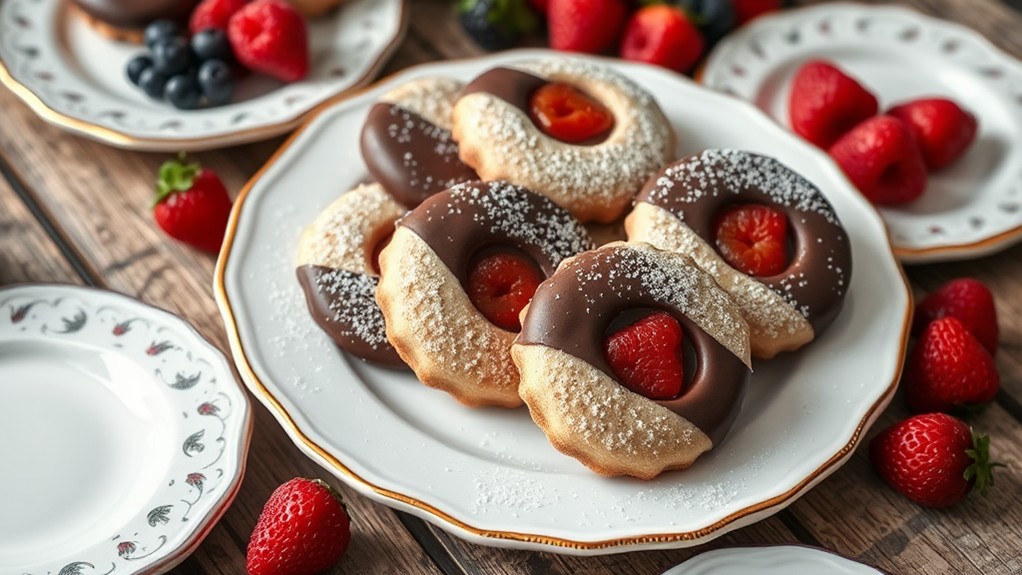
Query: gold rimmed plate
x=489, y=475
x=73, y=77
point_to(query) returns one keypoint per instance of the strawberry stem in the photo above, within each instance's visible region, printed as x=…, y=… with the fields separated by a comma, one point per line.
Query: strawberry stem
x=175, y=176
x=981, y=472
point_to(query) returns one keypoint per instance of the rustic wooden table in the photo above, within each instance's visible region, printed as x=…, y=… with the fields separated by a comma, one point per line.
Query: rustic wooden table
x=77, y=212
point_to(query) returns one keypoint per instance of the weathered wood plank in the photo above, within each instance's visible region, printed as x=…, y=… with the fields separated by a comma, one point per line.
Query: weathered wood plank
x=27, y=254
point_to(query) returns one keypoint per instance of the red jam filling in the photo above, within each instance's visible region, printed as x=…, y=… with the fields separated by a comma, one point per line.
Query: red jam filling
x=753, y=239
x=648, y=356
x=569, y=115
x=500, y=285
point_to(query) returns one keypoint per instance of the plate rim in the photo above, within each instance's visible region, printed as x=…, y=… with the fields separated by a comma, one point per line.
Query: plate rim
x=124, y=140
x=432, y=512
x=245, y=410
x=801, y=547
x=909, y=255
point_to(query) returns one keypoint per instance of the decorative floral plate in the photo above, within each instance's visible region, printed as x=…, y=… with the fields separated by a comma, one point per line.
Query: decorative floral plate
x=124, y=433
x=73, y=77
x=490, y=475
x=971, y=208
x=779, y=560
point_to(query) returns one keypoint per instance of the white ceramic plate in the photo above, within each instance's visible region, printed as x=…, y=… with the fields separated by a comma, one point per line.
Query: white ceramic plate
x=780, y=560
x=124, y=433
x=73, y=77
x=489, y=475
x=973, y=207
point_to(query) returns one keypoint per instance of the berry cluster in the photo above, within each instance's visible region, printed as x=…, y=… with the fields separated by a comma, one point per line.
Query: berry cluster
x=886, y=156
x=670, y=33
x=186, y=72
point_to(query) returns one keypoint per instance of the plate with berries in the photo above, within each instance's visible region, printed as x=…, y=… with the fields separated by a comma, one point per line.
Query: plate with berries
x=194, y=74
x=489, y=474
x=922, y=114
x=126, y=433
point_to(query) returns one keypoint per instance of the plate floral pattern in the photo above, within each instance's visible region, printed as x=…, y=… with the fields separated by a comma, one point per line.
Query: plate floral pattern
x=211, y=415
x=73, y=77
x=971, y=208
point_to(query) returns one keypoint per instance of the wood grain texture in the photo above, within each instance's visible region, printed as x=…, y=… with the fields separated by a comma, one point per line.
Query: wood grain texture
x=97, y=200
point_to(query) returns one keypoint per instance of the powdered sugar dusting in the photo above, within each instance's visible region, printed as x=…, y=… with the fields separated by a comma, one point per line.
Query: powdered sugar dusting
x=732, y=171
x=353, y=304
x=670, y=278
x=508, y=212
x=593, y=182
x=431, y=98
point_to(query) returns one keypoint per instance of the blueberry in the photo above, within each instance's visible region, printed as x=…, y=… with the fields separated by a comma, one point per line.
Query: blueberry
x=714, y=17
x=160, y=31
x=216, y=82
x=212, y=44
x=183, y=92
x=496, y=24
x=152, y=83
x=136, y=66
x=172, y=57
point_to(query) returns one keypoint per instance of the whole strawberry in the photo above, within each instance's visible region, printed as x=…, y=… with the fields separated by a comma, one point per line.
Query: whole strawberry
x=969, y=301
x=942, y=128
x=825, y=103
x=191, y=204
x=270, y=36
x=881, y=158
x=949, y=370
x=303, y=530
x=590, y=26
x=933, y=459
x=662, y=35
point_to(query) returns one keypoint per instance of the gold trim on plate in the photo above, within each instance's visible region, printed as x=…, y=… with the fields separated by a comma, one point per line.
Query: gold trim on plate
x=296, y=433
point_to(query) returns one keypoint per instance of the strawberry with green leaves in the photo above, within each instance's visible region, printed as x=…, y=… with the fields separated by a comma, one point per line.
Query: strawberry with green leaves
x=934, y=459
x=304, y=529
x=192, y=204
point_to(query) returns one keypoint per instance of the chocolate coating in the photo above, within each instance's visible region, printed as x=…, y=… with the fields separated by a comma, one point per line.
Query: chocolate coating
x=573, y=315
x=516, y=88
x=137, y=13
x=470, y=217
x=343, y=304
x=410, y=156
x=699, y=187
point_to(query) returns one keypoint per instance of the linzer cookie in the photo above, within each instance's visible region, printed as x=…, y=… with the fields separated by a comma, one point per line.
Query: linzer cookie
x=576, y=132
x=766, y=234
x=455, y=277
x=632, y=360
x=406, y=141
x=338, y=273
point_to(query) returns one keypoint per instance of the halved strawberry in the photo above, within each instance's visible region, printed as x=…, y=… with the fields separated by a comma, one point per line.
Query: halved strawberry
x=942, y=128
x=500, y=285
x=969, y=301
x=647, y=356
x=825, y=103
x=949, y=370
x=568, y=114
x=881, y=158
x=753, y=238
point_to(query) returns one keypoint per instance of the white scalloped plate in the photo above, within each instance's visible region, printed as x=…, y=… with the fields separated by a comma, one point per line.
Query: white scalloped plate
x=971, y=208
x=489, y=475
x=73, y=77
x=779, y=560
x=125, y=433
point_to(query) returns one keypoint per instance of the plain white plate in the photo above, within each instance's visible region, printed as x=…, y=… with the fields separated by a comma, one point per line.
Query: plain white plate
x=125, y=433
x=73, y=77
x=489, y=475
x=779, y=560
x=973, y=207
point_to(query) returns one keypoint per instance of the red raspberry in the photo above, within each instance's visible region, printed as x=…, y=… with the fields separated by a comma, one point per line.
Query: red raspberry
x=214, y=14
x=647, y=356
x=825, y=103
x=881, y=158
x=567, y=114
x=501, y=285
x=662, y=35
x=270, y=36
x=746, y=10
x=942, y=128
x=754, y=239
